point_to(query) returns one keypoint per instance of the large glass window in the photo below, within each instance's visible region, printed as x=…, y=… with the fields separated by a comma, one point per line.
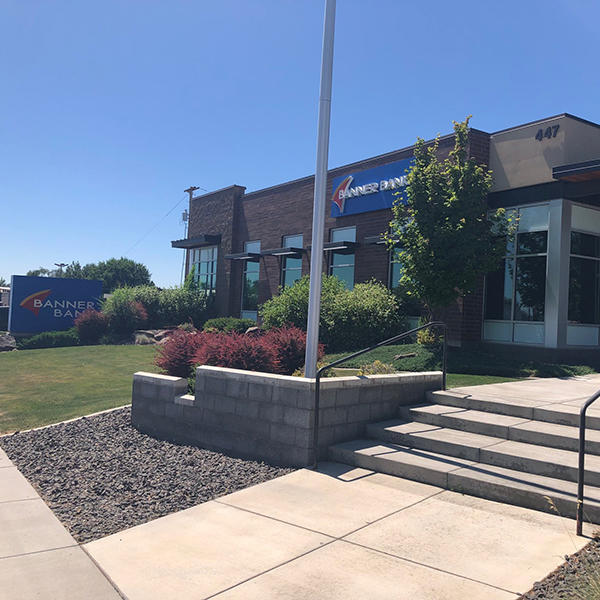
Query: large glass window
x=204, y=266
x=517, y=290
x=395, y=268
x=342, y=262
x=584, y=278
x=500, y=291
x=291, y=266
x=250, y=283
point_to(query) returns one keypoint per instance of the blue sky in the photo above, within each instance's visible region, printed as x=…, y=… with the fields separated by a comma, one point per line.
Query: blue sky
x=109, y=110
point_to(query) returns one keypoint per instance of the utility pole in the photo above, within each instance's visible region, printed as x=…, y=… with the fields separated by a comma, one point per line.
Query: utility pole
x=185, y=218
x=60, y=268
x=318, y=223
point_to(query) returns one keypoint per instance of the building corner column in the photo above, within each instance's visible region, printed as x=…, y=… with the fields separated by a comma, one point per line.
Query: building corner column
x=557, y=274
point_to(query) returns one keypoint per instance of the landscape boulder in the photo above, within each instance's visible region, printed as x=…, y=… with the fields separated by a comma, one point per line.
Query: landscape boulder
x=7, y=343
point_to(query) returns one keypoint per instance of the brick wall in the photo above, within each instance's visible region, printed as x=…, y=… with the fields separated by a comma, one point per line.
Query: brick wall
x=214, y=214
x=267, y=215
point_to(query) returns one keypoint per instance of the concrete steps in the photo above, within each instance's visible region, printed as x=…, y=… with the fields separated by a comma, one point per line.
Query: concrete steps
x=518, y=429
x=558, y=413
x=519, y=456
x=511, y=449
x=548, y=494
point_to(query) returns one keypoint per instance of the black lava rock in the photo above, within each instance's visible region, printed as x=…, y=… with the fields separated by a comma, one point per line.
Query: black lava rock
x=100, y=475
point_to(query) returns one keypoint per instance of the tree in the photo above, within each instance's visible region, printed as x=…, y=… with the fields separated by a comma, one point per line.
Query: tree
x=448, y=239
x=114, y=273
x=74, y=271
x=41, y=272
x=3, y=282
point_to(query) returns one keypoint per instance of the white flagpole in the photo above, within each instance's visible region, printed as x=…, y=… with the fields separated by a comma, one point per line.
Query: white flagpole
x=318, y=224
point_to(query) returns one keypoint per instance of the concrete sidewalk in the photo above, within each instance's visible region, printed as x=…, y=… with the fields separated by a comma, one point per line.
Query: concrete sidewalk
x=341, y=533
x=38, y=557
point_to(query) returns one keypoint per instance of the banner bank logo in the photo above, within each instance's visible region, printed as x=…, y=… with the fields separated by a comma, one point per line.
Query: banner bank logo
x=372, y=189
x=343, y=191
x=60, y=308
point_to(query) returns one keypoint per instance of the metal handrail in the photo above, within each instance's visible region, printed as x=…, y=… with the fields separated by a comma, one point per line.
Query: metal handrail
x=339, y=361
x=581, y=468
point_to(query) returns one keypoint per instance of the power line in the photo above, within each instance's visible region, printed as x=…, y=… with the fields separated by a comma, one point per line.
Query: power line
x=143, y=237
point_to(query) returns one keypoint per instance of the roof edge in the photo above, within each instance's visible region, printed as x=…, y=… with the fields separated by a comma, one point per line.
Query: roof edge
x=559, y=116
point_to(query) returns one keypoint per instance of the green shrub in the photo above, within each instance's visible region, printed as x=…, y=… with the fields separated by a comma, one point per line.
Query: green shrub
x=350, y=319
x=228, y=324
x=366, y=315
x=165, y=307
x=126, y=317
x=377, y=368
x=50, y=339
x=290, y=307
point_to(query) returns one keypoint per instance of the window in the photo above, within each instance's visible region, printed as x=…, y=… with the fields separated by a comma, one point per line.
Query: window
x=584, y=278
x=530, y=276
x=291, y=266
x=395, y=268
x=342, y=262
x=204, y=264
x=250, y=283
x=517, y=290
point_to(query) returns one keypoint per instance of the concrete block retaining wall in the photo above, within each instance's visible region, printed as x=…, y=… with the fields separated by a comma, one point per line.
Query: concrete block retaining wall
x=270, y=417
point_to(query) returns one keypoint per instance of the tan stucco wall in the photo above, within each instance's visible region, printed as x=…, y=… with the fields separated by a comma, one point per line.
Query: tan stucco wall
x=517, y=159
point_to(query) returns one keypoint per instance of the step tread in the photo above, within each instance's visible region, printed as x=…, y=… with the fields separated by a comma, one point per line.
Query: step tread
x=487, y=444
x=468, y=414
x=570, y=405
x=459, y=468
x=438, y=396
x=545, y=454
x=479, y=416
x=592, y=435
x=550, y=409
x=442, y=434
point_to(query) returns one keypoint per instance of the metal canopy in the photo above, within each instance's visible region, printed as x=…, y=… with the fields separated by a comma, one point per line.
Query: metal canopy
x=195, y=242
x=374, y=239
x=291, y=251
x=583, y=171
x=339, y=246
x=249, y=256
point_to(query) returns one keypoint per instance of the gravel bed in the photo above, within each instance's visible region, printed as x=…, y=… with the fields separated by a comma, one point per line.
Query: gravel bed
x=100, y=475
x=578, y=578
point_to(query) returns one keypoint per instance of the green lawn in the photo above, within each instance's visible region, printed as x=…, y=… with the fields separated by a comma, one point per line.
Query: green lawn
x=465, y=362
x=453, y=379
x=38, y=387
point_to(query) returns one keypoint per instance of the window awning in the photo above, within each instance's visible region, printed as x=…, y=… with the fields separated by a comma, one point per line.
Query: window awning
x=198, y=241
x=374, y=239
x=583, y=171
x=340, y=246
x=377, y=240
x=249, y=256
x=291, y=251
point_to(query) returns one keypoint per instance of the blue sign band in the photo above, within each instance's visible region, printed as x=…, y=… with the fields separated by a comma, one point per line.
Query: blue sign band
x=372, y=189
x=50, y=303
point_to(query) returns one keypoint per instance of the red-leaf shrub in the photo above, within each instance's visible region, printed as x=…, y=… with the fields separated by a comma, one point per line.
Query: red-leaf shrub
x=278, y=350
x=91, y=326
x=237, y=351
x=289, y=345
x=176, y=355
x=125, y=318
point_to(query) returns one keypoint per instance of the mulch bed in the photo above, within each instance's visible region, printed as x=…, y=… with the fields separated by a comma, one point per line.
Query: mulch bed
x=577, y=578
x=100, y=475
